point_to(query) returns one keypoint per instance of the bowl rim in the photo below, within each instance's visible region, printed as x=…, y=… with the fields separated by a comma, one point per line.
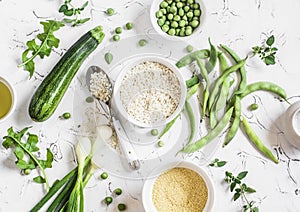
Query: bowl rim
x=118, y=83
x=153, y=9
x=8, y=84
x=148, y=185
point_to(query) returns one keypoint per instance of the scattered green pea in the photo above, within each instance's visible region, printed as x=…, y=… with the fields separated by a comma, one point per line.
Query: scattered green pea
x=154, y=132
x=142, y=42
x=110, y=11
x=108, y=200
x=189, y=48
x=89, y=99
x=118, y=30
x=253, y=106
x=104, y=175
x=129, y=25
x=122, y=207
x=118, y=191
x=160, y=143
x=116, y=37
x=27, y=171
x=65, y=115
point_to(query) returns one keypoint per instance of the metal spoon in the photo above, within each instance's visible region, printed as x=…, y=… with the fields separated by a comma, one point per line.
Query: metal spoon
x=126, y=147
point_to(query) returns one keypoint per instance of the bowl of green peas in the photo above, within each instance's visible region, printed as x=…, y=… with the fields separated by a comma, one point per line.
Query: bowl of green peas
x=177, y=19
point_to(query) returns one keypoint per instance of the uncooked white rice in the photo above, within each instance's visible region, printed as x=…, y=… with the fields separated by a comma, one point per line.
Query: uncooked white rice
x=100, y=86
x=150, y=92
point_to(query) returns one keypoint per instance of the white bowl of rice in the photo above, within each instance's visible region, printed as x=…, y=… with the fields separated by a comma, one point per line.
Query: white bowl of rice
x=150, y=92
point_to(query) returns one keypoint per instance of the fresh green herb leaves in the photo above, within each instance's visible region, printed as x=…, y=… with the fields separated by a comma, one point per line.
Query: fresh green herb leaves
x=217, y=163
x=108, y=57
x=266, y=52
x=70, y=11
x=24, y=152
x=240, y=189
x=47, y=42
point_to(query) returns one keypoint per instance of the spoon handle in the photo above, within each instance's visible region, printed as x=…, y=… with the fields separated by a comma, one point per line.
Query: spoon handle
x=126, y=146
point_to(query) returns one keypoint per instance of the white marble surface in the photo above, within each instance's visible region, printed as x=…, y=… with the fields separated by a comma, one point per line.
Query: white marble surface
x=239, y=24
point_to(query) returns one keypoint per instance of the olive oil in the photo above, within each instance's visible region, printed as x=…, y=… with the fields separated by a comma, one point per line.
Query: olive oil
x=5, y=100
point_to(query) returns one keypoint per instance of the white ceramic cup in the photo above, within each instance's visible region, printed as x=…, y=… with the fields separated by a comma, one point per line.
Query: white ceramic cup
x=292, y=124
x=13, y=95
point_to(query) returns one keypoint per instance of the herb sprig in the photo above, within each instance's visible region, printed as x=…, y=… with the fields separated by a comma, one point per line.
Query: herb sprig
x=240, y=189
x=217, y=163
x=24, y=152
x=69, y=10
x=47, y=42
x=266, y=51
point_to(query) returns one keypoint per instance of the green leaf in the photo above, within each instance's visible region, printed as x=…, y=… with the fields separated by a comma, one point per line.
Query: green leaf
x=269, y=60
x=84, y=5
x=270, y=40
x=255, y=209
x=39, y=179
x=19, y=152
x=228, y=174
x=82, y=21
x=68, y=20
x=22, y=164
x=242, y=175
x=236, y=196
x=232, y=186
x=221, y=163
x=69, y=12
x=250, y=190
x=63, y=8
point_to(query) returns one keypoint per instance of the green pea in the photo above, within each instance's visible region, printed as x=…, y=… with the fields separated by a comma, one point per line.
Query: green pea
x=173, y=9
x=186, y=8
x=116, y=37
x=159, y=14
x=167, y=23
x=160, y=143
x=190, y=2
x=170, y=16
x=254, y=106
x=184, y=18
x=194, y=23
x=164, y=4
x=169, y=1
x=154, y=132
x=189, y=48
x=104, y=175
x=118, y=30
x=128, y=25
x=177, y=31
x=188, y=31
x=174, y=24
x=142, y=42
x=173, y=4
x=179, y=4
x=89, y=99
x=189, y=14
x=108, y=200
x=122, y=207
x=165, y=28
x=27, y=171
x=181, y=12
x=110, y=11
x=171, y=31
x=197, y=12
x=160, y=21
x=66, y=115
x=182, y=32
x=181, y=23
x=118, y=191
x=164, y=11
x=176, y=18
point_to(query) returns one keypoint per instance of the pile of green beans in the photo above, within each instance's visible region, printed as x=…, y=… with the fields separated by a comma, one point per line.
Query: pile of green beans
x=178, y=17
x=216, y=97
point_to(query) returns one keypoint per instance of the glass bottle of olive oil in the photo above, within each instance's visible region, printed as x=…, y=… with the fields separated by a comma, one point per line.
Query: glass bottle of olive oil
x=5, y=99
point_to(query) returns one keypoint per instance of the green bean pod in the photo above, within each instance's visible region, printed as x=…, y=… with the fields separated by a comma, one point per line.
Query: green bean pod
x=204, y=74
x=210, y=65
x=186, y=60
x=191, y=82
x=236, y=58
x=168, y=126
x=256, y=141
x=263, y=86
x=190, y=148
x=192, y=91
x=191, y=116
x=221, y=79
x=236, y=122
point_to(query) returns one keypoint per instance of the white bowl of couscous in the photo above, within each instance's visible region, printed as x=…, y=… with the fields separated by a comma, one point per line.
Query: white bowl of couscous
x=149, y=92
x=179, y=187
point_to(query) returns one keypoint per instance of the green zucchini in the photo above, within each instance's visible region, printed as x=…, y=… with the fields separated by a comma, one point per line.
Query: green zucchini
x=52, y=89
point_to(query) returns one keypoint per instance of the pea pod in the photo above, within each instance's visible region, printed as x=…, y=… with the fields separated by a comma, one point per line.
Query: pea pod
x=236, y=122
x=192, y=91
x=191, y=116
x=193, y=147
x=186, y=60
x=168, y=126
x=242, y=71
x=191, y=82
x=210, y=65
x=221, y=79
x=256, y=141
x=204, y=74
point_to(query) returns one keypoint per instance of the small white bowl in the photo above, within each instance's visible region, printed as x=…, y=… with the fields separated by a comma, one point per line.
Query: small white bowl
x=292, y=124
x=13, y=95
x=117, y=92
x=148, y=186
x=155, y=7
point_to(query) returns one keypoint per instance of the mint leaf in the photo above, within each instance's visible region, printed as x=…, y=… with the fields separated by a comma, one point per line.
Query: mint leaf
x=270, y=40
